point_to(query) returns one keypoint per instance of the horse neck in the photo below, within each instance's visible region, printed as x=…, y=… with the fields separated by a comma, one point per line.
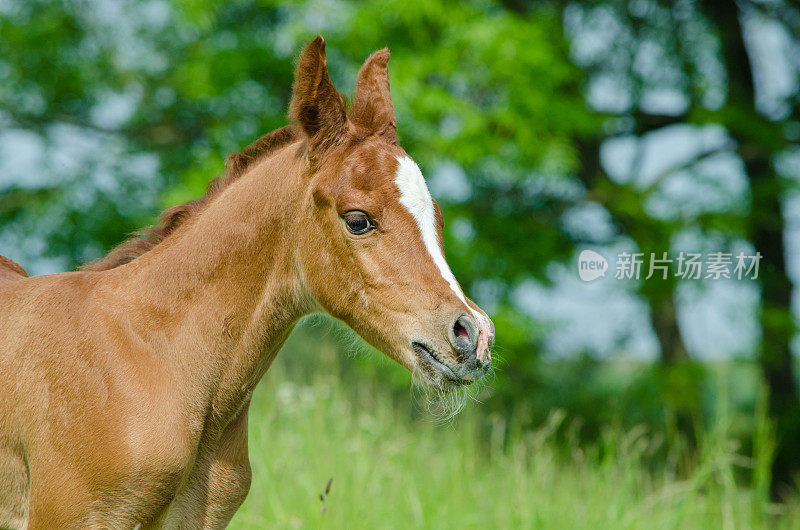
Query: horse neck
x=218, y=298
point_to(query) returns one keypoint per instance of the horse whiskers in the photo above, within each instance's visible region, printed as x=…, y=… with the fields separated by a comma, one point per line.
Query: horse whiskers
x=442, y=402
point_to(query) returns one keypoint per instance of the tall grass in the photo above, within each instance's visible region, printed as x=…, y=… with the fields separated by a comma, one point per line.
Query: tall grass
x=390, y=471
x=392, y=468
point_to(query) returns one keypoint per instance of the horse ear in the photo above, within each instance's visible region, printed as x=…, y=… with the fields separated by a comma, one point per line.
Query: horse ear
x=373, y=107
x=316, y=105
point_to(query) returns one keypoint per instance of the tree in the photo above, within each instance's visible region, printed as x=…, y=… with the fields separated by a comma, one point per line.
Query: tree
x=690, y=40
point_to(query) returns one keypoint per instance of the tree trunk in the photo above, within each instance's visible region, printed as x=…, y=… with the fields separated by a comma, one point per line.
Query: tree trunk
x=757, y=141
x=776, y=319
x=679, y=376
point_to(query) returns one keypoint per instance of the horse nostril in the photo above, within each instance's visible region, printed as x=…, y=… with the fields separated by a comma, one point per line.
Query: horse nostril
x=465, y=337
x=461, y=331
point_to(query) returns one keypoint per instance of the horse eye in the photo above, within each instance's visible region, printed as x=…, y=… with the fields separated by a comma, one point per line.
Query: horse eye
x=358, y=223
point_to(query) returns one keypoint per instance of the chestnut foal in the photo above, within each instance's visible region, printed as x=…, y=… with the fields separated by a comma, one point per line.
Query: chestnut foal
x=125, y=386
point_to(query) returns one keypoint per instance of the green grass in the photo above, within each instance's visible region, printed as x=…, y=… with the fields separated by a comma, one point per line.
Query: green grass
x=393, y=469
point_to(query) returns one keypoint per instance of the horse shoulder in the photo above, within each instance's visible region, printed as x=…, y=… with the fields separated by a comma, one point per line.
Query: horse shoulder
x=96, y=413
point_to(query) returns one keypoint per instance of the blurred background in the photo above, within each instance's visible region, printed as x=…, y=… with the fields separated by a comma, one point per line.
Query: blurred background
x=544, y=129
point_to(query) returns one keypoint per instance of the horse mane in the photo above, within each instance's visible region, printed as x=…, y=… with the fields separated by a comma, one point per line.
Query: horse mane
x=235, y=166
x=8, y=267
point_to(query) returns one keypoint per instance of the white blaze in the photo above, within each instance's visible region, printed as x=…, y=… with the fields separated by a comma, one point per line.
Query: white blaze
x=414, y=195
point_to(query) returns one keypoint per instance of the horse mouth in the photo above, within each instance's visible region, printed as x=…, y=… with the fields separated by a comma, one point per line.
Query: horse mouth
x=435, y=364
